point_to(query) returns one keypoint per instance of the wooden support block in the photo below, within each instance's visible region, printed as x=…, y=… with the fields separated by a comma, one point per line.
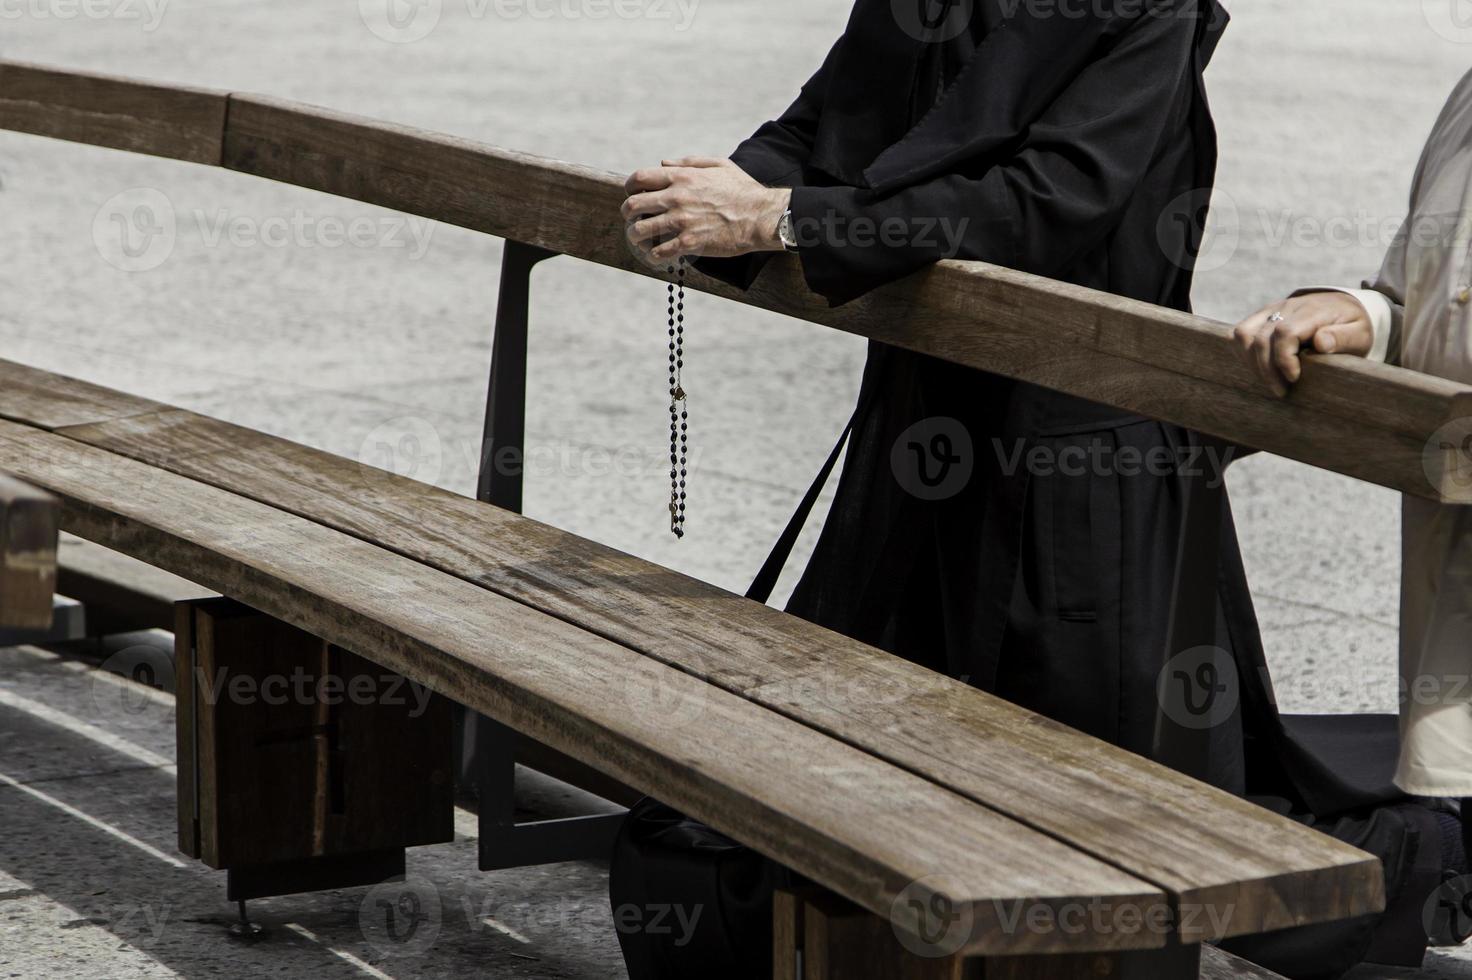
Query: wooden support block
x=819, y=936
x=787, y=909
x=1171, y=963
x=28, y=535
x=293, y=749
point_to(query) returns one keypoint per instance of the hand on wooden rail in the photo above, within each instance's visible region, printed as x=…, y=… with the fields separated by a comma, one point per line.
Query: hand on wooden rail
x=1328, y=323
x=701, y=206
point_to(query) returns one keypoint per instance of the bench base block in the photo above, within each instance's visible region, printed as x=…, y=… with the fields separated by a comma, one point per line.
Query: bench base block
x=818, y=936
x=313, y=874
x=1172, y=963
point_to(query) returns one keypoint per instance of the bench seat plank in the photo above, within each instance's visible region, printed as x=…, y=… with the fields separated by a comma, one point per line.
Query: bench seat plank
x=852, y=822
x=1239, y=868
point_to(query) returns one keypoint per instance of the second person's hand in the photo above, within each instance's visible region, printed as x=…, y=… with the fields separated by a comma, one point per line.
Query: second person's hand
x=1327, y=323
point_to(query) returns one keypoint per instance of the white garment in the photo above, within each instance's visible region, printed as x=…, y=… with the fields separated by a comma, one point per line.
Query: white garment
x=1421, y=306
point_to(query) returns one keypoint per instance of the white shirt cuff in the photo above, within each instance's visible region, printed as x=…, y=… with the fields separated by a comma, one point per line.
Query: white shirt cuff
x=1377, y=307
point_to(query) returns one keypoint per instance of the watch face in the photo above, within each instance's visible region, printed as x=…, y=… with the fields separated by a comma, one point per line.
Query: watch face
x=784, y=231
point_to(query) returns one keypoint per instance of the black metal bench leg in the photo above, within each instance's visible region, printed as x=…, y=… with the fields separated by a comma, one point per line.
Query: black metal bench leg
x=491, y=747
x=504, y=437
x=504, y=843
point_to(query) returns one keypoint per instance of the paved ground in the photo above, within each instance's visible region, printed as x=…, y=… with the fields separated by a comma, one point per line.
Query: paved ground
x=1322, y=109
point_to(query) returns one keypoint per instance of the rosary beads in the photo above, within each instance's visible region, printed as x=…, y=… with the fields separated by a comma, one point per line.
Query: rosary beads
x=679, y=416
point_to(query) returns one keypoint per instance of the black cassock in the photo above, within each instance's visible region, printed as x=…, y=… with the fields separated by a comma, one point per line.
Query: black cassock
x=1076, y=143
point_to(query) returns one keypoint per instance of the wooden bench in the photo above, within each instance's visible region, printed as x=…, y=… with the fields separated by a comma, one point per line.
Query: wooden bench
x=932, y=797
x=933, y=787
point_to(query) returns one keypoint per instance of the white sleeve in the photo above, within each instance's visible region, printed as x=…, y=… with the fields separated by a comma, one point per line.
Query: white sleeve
x=1377, y=306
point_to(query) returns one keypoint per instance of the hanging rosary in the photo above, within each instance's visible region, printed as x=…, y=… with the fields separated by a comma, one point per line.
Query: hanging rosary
x=679, y=443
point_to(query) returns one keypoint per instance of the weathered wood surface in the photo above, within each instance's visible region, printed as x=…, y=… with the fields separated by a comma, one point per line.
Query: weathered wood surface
x=1217, y=964
x=28, y=535
x=104, y=110
x=1365, y=420
x=1369, y=421
x=1234, y=867
x=844, y=818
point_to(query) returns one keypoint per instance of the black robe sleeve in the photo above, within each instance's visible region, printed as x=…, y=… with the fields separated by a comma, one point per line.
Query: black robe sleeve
x=1052, y=195
x=775, y=155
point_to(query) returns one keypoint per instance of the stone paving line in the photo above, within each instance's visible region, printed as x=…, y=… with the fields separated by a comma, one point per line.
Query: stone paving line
x=89, y=807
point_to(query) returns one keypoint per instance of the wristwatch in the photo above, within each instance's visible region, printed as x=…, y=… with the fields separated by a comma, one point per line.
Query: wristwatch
x=785, y=231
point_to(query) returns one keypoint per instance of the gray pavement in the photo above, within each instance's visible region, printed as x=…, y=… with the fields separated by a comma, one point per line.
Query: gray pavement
x=381, y=351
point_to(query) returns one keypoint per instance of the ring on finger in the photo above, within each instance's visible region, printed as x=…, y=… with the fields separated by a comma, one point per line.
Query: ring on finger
x=1277, y=317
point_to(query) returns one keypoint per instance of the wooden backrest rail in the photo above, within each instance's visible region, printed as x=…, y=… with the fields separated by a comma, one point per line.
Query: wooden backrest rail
x=1371, y=421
